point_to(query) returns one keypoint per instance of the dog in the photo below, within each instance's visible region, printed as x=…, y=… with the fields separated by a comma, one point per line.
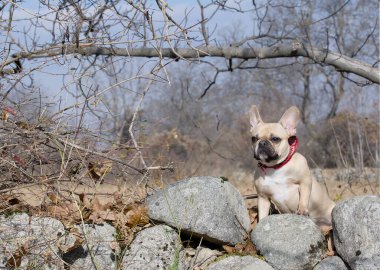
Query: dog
x=285, y=178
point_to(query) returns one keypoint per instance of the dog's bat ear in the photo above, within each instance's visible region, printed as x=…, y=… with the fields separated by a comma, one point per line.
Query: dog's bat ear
x=290, y=119
x=254, y=116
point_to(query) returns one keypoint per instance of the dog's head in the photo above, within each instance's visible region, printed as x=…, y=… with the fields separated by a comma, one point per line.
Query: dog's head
x=270, y=140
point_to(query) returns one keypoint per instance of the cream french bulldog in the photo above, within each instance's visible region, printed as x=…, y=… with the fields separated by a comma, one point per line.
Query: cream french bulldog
x=285, y=175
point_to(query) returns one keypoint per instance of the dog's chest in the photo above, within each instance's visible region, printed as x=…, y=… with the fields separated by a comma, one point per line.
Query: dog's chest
x=278, y=186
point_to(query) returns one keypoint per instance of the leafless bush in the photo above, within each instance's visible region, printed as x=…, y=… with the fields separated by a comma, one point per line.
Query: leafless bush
x=347, y=140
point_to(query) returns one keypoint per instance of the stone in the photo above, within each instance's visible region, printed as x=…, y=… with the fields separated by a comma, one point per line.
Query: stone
x=155, y=248
x=99, y=249
x=356, y=231
x=206, y=207
x=331, y=263
x=30, y=242
x=234, y=262
x=289, y=242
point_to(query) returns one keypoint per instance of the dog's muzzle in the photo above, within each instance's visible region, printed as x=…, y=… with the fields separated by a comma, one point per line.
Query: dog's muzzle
x=265, y=152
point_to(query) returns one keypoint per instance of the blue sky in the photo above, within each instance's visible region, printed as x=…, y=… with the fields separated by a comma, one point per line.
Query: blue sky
x=58, y=78
x=51, y=76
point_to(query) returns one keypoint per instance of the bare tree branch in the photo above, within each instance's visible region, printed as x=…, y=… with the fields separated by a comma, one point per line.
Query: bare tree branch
x=321, y=56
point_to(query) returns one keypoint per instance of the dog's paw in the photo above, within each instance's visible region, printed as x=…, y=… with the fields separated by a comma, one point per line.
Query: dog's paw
x=303, y=212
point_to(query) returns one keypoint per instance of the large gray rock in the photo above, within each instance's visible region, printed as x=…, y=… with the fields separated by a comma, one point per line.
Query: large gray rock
x=99, y=250
x=155, y=248
x=240, y=263
x=289, y=242
x=331, y=263
x=356, y=231
x=30, y=242
x=206, y=207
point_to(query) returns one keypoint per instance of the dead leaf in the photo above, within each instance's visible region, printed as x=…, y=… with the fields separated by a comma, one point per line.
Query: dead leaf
x=229, y=249
x=98, y=170
x=23, y=125
x=81, y=197
x=15, y=259
x=53, y=197
x=101, y=216
x=69, y=242
x=249, y=248
x=86, y=199
x=99, y=206
x=107, y=215
x=58, y=211
x=67, y=211
x=245, y=248
x=94, y=204
x=5, y=113
x=137, y=216
x=100, y=212
x=114, y=245
x=253, y=216
x=4, y=116
x=118, y=198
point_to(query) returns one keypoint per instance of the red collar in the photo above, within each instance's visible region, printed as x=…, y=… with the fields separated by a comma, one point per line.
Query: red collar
x=293, y=143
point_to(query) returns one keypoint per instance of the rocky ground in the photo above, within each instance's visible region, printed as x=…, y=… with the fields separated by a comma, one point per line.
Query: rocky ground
x=197, y=223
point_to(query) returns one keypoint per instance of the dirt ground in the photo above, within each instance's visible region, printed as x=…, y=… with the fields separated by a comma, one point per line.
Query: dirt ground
x=340, y=184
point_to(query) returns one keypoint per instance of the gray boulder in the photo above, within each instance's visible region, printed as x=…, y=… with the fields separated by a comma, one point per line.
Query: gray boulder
x=99, y=250
x=331, y=263
x=207, y=207
x=240, y=263
x=155, y=248
x=30, y=242
x=289, y=242
x=356, y=231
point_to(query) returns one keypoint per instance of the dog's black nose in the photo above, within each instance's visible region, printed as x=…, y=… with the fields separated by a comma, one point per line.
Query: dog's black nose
x=263, y=143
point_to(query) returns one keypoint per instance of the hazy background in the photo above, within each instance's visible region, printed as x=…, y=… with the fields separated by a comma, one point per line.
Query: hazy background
x=194, y=116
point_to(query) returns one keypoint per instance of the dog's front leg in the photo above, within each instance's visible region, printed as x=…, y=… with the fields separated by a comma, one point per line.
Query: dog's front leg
x=263, y=205
x=304, y=190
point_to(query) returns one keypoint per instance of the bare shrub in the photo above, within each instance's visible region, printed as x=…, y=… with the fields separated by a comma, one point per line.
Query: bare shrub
x=347, y=140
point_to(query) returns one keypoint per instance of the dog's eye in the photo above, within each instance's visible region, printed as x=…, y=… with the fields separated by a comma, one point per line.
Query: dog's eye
x=254, y=139
x=275, y=139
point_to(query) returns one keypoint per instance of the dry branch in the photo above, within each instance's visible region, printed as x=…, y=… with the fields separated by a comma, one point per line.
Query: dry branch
x=321, y=56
